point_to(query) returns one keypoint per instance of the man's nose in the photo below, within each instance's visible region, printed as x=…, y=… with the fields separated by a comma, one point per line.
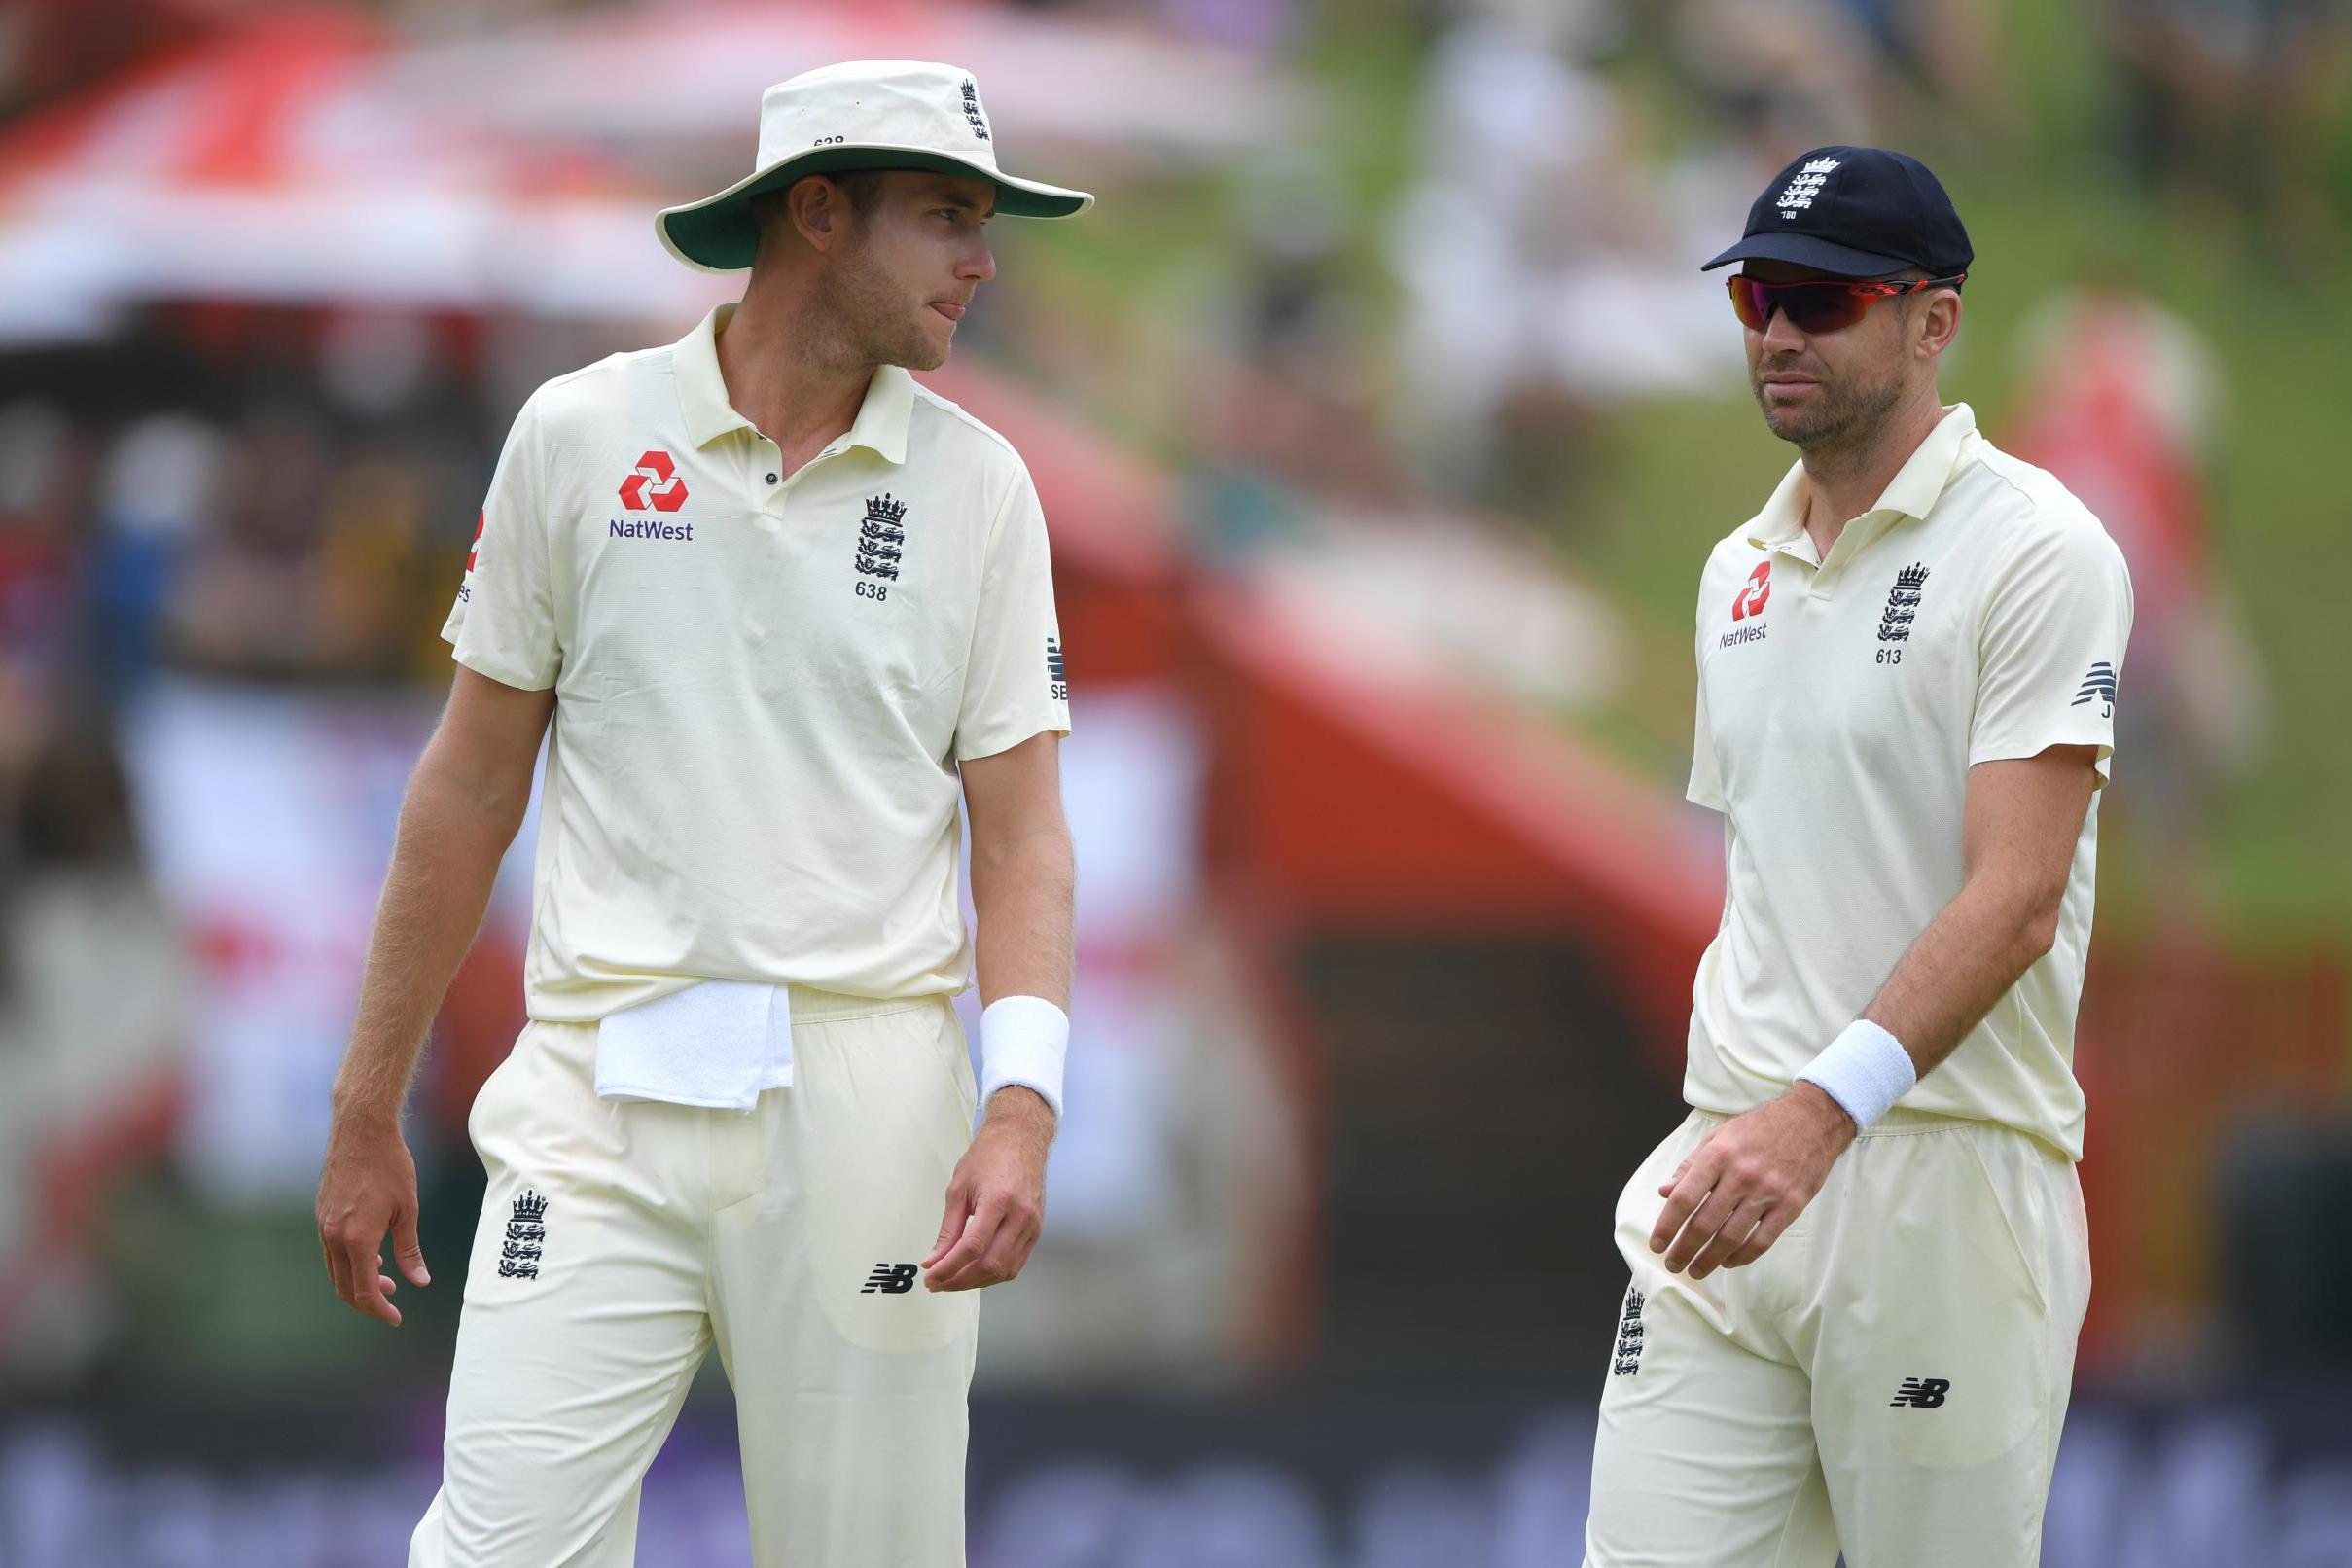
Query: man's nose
x=1780, y=337
x=979, y=263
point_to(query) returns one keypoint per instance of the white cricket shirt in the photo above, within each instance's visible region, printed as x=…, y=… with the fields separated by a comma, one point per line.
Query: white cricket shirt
x=764, y=684
x=1978, y=612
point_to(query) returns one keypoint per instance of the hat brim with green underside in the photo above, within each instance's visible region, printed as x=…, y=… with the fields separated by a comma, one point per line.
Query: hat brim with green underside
x=719, y=233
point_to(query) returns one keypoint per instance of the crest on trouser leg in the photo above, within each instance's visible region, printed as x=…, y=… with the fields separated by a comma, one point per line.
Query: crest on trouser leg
x=526, y=1237
x=1629, y=1336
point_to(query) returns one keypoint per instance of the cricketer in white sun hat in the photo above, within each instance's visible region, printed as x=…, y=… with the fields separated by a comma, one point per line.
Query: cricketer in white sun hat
x=858, y=115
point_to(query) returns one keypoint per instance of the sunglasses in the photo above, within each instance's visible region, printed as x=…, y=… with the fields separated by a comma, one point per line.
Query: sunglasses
x=1816, y=306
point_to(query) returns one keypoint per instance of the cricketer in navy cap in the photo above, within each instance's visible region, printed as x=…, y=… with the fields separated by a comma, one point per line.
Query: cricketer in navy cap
x=1855, y=212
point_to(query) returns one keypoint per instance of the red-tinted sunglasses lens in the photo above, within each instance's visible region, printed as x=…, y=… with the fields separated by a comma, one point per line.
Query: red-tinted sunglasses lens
x=1811, y=308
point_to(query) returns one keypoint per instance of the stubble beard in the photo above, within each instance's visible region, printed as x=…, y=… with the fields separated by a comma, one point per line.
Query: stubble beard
x=872, y=315
x=1840, y=416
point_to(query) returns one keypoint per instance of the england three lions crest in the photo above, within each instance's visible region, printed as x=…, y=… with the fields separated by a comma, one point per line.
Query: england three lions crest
x=883, y=537
x=525, y=1239
x=1804, y=186
x=1903, y=604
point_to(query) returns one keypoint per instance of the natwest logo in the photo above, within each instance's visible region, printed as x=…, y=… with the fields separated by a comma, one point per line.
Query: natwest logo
x=1751, y=598
x=667, y=496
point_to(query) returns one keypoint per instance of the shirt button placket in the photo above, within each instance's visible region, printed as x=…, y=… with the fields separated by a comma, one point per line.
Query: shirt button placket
x=830, y=451
x=769, y=463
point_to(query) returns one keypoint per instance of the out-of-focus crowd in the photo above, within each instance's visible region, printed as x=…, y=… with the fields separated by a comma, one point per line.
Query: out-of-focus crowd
x=256, y=497
x=1547, y=249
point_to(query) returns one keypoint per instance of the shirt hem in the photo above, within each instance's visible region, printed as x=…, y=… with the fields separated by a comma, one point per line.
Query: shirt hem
x=2007, y=751
x=813, y=1004
x=1903, y=1120
x=1014, y=734
x=493, y=669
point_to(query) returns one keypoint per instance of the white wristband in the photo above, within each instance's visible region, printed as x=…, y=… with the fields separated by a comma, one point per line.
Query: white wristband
x=1023, y=1040
x=1864, y=1069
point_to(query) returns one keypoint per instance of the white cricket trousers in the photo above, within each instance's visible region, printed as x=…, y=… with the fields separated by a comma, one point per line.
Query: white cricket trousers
x=1889, y=1379
x=620, y=1240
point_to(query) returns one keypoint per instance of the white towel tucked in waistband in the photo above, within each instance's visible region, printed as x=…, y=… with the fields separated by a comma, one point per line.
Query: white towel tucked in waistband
x=716, y=1044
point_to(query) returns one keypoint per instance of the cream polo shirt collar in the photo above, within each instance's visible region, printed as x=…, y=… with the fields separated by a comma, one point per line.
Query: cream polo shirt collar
x=1913, y=493
x=882, y=418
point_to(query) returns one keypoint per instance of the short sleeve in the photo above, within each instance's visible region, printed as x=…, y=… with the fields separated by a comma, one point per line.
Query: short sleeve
x=1706, y=787
x=2051, y=654
x=503, y=625
x=1015, y=685
x=1706, y=784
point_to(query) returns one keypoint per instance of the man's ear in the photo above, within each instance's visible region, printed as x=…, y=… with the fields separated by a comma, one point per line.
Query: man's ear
x=819, y=210
x=1939, y=320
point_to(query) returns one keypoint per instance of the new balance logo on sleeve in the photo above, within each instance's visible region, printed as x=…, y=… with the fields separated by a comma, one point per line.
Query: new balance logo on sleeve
x=1056, y=676
x=2099, y=685
x=891, y=1279
x=1922, y=1393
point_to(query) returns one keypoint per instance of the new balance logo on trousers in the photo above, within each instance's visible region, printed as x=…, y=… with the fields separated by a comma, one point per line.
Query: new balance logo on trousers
x=1921, y=1393
x=891, y=1279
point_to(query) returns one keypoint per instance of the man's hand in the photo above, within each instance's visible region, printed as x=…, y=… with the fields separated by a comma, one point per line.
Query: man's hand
x=996, y=1201
x=369, y=1187
x=1748, y=1180
x=464, y=803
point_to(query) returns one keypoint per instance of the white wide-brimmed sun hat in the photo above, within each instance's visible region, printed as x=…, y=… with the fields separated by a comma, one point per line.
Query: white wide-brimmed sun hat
x=858, y=115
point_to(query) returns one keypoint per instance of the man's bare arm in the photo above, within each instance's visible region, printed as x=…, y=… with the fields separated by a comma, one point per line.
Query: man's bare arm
x=1023, y=873
x=463, y=805
x=1731, y=1199
x=1024, y=878
x=2019, y=825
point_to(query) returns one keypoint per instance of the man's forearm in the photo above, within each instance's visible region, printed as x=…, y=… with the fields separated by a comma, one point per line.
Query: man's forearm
x=1022, y=893
x=443, y=862
x=1966, y=960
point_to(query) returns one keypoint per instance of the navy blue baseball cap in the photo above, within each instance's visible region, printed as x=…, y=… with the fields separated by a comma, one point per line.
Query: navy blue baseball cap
x=1855, y=212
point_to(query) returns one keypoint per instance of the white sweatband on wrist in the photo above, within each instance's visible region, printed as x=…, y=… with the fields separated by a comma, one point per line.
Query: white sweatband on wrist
x=1023, y=1040
x=1864, y=1069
